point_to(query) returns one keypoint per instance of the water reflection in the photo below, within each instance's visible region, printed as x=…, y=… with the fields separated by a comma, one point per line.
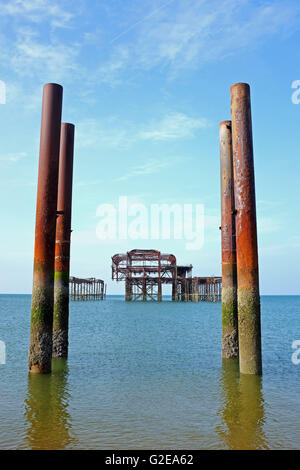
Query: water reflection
x=242, y=411
x=46, y=409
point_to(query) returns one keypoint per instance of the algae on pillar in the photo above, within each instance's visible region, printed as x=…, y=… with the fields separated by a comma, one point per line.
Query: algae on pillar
x=62, y=246
x=40, y=348
x=246, y=232
x=230, y=345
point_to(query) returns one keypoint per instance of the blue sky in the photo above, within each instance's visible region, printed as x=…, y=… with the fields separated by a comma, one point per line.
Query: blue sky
x=146, y=84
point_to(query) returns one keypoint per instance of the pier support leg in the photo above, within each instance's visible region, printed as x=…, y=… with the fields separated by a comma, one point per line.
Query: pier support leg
x=175, y=290
x=40, y=348
x=159, y=291
x=62, y=247
x=144, y=290
x=182, y=297
x=230, y=346
x=128, y=290
x=186, y=290
x=195, y=291
x=246, y=232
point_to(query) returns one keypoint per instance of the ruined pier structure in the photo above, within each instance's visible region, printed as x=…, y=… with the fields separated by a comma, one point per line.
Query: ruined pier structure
x=87, y=289
x=146, y=271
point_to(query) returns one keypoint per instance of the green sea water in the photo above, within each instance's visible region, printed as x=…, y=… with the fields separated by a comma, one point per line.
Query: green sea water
x=150, y=376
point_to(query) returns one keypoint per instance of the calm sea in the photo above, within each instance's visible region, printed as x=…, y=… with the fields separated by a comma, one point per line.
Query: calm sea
x=150, y=375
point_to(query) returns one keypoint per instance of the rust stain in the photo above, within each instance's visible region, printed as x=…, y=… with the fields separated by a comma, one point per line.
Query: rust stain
x=227, y=203
x=244, y=186
x=47, y=181
x=64, y=200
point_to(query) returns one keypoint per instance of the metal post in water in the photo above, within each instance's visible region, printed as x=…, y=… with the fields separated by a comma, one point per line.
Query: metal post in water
x=195, y=291
x=159, y=290
x=230, y=345
x=40, y=348
x=128, y=289
x=144, y=289
x=246, y=232
x=62, y=247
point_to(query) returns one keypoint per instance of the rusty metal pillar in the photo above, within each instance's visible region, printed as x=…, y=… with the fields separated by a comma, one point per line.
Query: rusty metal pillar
x=62, y=247
x=246, y=232
x=40, y=349
x=144, y=289
x=182, y=290
x=184, y=285
x=195, y=291
x=230, y=344
x=175, y=290
x=174, y=285
x=159, y=290
x=128, y=289
x=190, y=283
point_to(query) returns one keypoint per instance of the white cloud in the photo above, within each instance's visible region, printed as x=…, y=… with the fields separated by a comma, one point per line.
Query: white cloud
x=148, y=168
x=13, y=157
x=172, y=36
x=174, y=126
x=31, y=57
x=187, y=34
x=95, y=133
x=109, y=72
x=113, y=133
x=37, y=11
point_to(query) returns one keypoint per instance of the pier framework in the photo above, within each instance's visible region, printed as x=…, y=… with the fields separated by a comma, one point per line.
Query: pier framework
x=87, y=289
x=146, y=271
x=207, y=289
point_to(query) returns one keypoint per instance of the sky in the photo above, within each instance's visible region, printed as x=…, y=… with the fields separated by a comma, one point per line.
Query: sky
x=146, y=84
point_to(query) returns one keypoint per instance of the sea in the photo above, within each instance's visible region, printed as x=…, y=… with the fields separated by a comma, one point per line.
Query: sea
x=149, y=375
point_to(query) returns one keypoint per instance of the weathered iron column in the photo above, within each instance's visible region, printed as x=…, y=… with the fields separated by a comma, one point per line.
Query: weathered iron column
x=175, y=290
x=144, y=289
x=246, y=232
x=159, y=286
x=175, y=286
x=40, y=349
x=128, y=289
x=159, y=290
x=230, y=345
x=195, y=295
x=62, y=247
